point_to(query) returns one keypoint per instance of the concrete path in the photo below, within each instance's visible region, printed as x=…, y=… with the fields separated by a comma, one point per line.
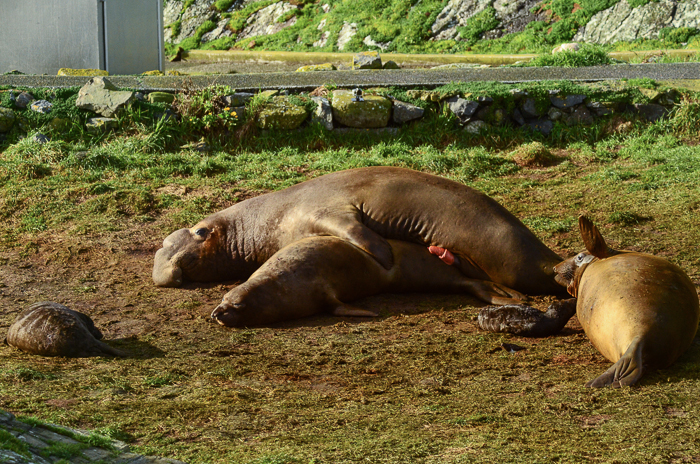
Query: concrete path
x=370, y=78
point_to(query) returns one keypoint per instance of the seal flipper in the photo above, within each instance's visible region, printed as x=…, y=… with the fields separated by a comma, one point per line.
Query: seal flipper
x=350, y=228
x=494, y=293
x=347, y=310
x=625, y=372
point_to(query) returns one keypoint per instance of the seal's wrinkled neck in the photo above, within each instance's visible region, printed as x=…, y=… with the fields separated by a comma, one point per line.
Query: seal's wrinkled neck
x=572, y=288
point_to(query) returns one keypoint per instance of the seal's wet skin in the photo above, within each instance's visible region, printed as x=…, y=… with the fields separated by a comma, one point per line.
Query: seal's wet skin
x=640, y=311
x=323, y=274
x=51, y=329
x=364, y=207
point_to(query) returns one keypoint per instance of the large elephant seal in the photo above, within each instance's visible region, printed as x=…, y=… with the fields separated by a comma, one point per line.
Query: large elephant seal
x=51, y=329
x=322, y=274
x=640, y=311
x=365, y=207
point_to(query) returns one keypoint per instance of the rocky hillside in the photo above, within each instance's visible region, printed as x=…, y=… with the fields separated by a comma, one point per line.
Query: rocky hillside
x=425, y=26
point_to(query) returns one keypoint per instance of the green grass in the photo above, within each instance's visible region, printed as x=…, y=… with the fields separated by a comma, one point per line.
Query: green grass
x=9, y=442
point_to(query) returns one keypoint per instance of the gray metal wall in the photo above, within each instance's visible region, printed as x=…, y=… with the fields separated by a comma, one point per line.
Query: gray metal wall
x=41, y=36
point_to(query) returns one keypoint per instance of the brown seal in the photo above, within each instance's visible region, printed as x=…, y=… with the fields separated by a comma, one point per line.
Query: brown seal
x=527, y=321
x=51, y=329
x=365, y=207
x=640, y=311
x=323, y=274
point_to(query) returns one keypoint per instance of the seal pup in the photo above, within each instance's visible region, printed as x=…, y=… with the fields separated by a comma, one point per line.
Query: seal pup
x=51, y=329
x=526, y=321
x=364, y=207
x=640, y=311
x=322, y=274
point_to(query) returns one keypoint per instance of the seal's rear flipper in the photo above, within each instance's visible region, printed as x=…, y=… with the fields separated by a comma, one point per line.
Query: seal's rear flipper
x=347, y=310
x=494, y=293
x=625, y=372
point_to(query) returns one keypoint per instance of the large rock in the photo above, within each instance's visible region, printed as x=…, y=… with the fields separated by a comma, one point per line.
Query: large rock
x=404, y=112
x=454, y=15
x=462, y=108
x=280, y=113
x=265, y=21
x=218, y=32
x=323, y=113
x=196, y=14
x=102, y=97
x=622, y=22
x=367, y=60
x=7, y=119
x=373, y=111
x=514, y=16
x=346, y=33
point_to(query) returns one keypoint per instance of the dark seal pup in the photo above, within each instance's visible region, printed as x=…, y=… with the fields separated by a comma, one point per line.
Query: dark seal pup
x=323, y=274
x=640, y=311
x=365, y=207
x=51, y=329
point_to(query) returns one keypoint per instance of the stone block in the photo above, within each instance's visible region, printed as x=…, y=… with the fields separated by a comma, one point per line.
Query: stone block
x=404, y=112
x=317, y=67
x=280, y=113
x=367, y=60
x=323, y=113
x=82, y=72
x=373, y=111
x=238, y=99
x=462, y=108
x=161, y=97
x=566, y=101
x=102, y=97
x=98, y=125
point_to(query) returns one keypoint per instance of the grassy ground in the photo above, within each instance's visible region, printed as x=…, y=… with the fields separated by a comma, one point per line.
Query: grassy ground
x=82, y=219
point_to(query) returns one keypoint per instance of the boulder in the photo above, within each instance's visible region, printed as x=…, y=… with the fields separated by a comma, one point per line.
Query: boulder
x=196, y=14
x=462, y=108
x=371, y=43
x=323, y=113
x=391, y=65
x=404, y=112
x=23, y=100
x=99, y=125
x=529, y=108
x=280, y=113
x=161, y=97
x=265, y=21
x=367, y=60
x=346, y=33
x=651, y=112
x=580, y=117
x=543, y=126
x=554, y=114
x=238, y=99
x=475, y=127
x=7, y=119
x=41, y=106
x=372, y=112
x=566, y=101
x=218, y=32
x=102, y=97
x=455, y=14
x=427, y=95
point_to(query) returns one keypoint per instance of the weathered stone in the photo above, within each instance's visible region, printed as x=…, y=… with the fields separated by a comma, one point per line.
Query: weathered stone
x=199, y=12
x=518, y=117
x=651, y=94
x=455, y=14
x=40, y=138
x=518, y=93
x=427, y=95
x=566, y=101
x=391, y=65
x=102, y=97
x=41, y=106
x=554, y=114
x=238, y=99
x=404, y=112
x=580, y=117
x=7, y=119
x=161, y=97
x=23, y=99
x=651, y=112
x=239, y=112
x=621, y=22
x=317, y=67
x=280, y=113
x=265, y=21
x=544, y=126
x=347, y=32
x=529, y=108
x=601, y=109
x=323, y=114
x=98, y=125
x=475, y=127
x=218, y=32
x=373, y=111
x=462, y=108
x=668, y=98
x=82, y=72
x=498, y=117
x=155, y=72
x=323, y=40
x=484, y=100
x=514, y=16
x=140, y=96
x=371, y=43
x=367, y=60
x=566, y=47
x=390, y=131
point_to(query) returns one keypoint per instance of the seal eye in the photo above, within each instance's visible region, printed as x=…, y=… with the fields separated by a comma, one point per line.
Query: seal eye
x=202, y=232
x=579, y=257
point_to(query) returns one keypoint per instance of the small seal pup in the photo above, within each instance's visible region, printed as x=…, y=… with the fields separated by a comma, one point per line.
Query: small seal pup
x=526, y=321
x=640, y=311
x=51, y=329
x=364, y=207
x=322, y=274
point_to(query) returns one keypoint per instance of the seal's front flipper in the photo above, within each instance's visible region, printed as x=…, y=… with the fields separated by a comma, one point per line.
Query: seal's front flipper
x=347, y=310
x=350, y=228
x=625, y=372
x=494, y=293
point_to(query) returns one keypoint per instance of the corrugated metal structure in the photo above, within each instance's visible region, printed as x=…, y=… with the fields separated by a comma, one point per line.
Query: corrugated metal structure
x=119, y=36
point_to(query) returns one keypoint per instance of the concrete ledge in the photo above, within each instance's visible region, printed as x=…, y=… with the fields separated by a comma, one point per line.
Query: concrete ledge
x=373, y=78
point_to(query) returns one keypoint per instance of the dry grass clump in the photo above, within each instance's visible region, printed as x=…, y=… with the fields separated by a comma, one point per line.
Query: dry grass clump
x=533, y=154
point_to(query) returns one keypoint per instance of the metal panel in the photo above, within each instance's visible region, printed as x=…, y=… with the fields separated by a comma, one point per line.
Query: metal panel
x=134, y=36
x=41, y=36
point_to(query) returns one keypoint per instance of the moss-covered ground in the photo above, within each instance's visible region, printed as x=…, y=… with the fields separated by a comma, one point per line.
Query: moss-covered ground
x=82, y=219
